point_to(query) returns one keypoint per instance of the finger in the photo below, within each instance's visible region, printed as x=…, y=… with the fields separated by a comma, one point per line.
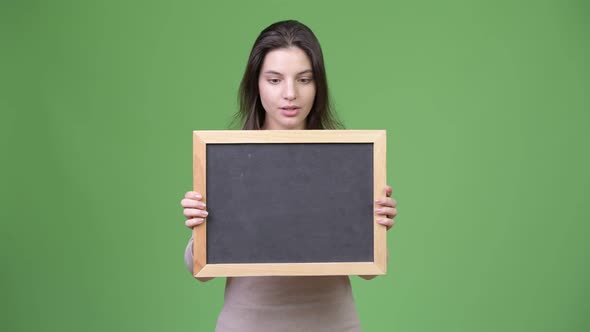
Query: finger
x=386, y=211
x=193, y=195
x=388, y=190
x=192, y=213
x=190, y=223
x=191, y=203
x=386, y=201
x=386, y=222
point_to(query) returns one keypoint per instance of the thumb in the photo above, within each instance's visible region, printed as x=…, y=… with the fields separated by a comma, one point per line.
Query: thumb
x=388, y=191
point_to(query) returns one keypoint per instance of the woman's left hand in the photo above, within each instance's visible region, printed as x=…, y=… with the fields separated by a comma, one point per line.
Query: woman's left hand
x=385, y=208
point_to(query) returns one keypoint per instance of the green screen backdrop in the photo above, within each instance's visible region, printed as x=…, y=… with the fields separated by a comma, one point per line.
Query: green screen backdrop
x=487, y=109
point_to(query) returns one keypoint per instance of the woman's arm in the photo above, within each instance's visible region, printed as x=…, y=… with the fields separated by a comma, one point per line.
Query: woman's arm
x=188, y=260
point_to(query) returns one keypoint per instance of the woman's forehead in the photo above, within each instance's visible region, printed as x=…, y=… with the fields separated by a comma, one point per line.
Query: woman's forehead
x=286, y=61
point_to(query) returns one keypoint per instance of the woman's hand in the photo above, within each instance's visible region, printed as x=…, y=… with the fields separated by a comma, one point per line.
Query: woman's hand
x=386, y=209
x=194, y=209
x=195, y=213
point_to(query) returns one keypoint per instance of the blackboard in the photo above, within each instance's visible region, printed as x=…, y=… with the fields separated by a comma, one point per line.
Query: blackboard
x=289, y=202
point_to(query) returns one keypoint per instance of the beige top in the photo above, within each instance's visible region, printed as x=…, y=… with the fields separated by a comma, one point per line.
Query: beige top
x=285, y=304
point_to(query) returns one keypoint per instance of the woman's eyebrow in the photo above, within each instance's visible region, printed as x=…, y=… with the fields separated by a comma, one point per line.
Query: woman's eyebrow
x=305, y=72
x=272, y=72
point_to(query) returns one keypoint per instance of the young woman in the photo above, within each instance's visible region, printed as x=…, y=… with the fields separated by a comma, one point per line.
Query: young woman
x=285, y=87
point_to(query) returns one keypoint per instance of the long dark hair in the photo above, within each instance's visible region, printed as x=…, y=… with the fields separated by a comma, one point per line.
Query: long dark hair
x=285, y=34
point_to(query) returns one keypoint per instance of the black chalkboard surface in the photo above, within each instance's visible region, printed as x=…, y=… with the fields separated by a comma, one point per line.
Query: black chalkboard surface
x=289, y=202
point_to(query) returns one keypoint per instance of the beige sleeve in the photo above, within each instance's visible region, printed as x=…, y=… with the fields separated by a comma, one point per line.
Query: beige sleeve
x=188, y=256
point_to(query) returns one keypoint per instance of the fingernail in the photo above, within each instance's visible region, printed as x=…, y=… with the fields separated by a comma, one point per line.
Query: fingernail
x=205, y=213
x=198, y=196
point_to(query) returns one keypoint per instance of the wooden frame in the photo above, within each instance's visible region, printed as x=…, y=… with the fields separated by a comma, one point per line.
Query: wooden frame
x=200, y=141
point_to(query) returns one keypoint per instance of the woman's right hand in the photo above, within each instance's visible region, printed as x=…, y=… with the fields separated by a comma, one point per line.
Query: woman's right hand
x=194, y=209
x=195, y=213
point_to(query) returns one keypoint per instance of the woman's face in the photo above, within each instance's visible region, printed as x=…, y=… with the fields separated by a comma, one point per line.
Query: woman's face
x=287, y=88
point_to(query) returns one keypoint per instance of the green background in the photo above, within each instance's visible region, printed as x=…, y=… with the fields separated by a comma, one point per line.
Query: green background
x=487, y=108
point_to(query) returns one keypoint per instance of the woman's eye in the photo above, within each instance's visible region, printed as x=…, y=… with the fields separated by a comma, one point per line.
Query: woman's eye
x=273, y=80
x=305, y=80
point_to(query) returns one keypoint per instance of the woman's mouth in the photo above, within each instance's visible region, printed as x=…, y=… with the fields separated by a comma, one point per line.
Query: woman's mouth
x=290, y=111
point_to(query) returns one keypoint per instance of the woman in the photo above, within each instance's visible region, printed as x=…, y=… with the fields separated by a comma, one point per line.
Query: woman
x=285, y=87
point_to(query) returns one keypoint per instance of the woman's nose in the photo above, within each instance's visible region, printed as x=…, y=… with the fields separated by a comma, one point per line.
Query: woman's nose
x=290, y=92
